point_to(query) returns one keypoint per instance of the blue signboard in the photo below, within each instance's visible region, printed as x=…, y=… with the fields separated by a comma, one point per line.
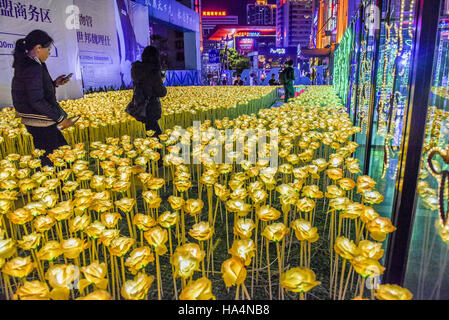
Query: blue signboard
x=214, y=56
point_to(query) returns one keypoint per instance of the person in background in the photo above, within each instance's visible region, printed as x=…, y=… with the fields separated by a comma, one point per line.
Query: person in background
x=273, y=81
x=34, y=94
x=289, y=78
x=148, y=75
x=238, y=81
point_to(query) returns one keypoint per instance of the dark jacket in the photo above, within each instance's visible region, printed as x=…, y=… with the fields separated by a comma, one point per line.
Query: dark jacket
x=34, y=95
x=149, y=77
x=289, y=76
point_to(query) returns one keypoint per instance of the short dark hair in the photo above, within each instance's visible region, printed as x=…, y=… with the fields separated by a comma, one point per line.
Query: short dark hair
x=290, y=62
x=24, y=45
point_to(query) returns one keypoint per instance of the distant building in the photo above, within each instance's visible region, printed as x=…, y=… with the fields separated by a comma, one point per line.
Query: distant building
x=211, y=19
x=294, y=22
x=260, y=13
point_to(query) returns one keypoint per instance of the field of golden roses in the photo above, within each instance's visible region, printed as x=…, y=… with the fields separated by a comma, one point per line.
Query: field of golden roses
x=106, y=223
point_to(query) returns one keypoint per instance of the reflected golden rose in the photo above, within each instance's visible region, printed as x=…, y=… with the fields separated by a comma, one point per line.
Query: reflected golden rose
x=275, y=231
x=137, y=289
x=243, y=249
x=33, y=290
x=201, y=231
x=392, y=292
x=50, y=251
x=30, y=241
x=345, y=248
x=299, y=280
x=370, y=249
x=243, y=228
x=19, y=267
x=233, y=272
x=120, y=246
x=168, y=219
x=304, y=230
x=139, y=258
x=157, y=237
x=367, y=267
x=267, y=213
x=200, y=289
x=143, y=222
x=379, y=228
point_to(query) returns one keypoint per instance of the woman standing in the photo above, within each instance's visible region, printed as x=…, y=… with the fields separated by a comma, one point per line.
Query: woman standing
x=147, y=75
x=34, y=95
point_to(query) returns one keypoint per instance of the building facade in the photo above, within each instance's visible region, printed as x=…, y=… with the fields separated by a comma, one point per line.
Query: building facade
x=294, y=22
x=211, y=19
x=260, y=13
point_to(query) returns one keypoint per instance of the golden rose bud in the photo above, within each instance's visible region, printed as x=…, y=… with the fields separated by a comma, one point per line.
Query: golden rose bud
x=373, y=197
x=168, y=219
x=243, y=249
x=33, y=290
x=367, y=267
x=312, y=191
x=304, y=230
x=275, y=232
x=267, y=213
x=299, y=280
x=7, y=248
x=379, y=228
x=305, y=204
x=110, y=219
x=346, y=184
x=30, y=241
x=176, y=202
x=50, y=251
x=157, y=237
x=370, y=249
x=95, y=229
x=392, y=292
x=233, y=272
x=137, y=289
x=201, y=231
x=19, y=267
x=200, y=289
x=334, y=173
x=120, y=246
x=139, y=258
x=97, y=295
x=73, y=247
x=346, y=248
x=365, y=183
x=20, y=216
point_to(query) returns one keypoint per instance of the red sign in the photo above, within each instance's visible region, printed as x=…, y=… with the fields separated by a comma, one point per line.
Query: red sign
x=246, y=45
x=214, y=13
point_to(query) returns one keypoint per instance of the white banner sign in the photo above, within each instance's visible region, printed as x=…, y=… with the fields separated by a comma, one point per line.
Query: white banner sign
x=20, y=17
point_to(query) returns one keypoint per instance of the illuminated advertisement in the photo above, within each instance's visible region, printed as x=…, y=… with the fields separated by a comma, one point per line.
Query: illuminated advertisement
x=245, y=45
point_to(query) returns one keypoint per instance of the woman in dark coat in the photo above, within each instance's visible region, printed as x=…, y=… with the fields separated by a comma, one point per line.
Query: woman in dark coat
x=34, y=95
x=148, y=75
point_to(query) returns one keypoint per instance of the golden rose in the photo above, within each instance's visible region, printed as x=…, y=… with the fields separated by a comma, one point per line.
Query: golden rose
x=36, y=208
x=365, y=183
x=120, y=246
x=19, y=267
x=353, y=210
x=62, y=277
x=221, y=192
x=233, y=272
x=20, y=216
x=305, y=204
x=152, y=199
x=347, y=184
x=95, y=229
x=370, y=249
x=193, y=206
x=121, y=186
x=30, y=241
x=367, y=267
x=176, y=202
x=183, y=185
x=49, y=251
x=334, y=173
x=287, y=190
x=7, y=248
x=275, y=231
x=73, y=247
x=238, y=206
x=243, y=249
x=101, y=206
x=312, y=191
x=373, y=197
x=79, y=223
x=201, y=231
x=368, y=214
x=200, y=289
x=95, y=274
x=168, y=219
x=379, y=228
x=186, y=261
x=353, y=165
x=243, y=228
x=33, y=290
x=62, y=211
x=335, y=160
x=333, y=191
x=299, y=280
x=346, y=248
x=107, y=236
x=267, y=213
x=143, y=222
x=125, y=204
x=110, y=219
x=137, y=289
x=339, y=203
x=157, y=237
x=392, y=292
x=304, y=230
x=139, y=258
x=97, y=295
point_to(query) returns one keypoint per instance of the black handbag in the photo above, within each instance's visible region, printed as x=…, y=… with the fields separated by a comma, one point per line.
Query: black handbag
x=138, y=106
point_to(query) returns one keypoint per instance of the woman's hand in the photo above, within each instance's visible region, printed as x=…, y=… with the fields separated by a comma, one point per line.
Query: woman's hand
x=66, y=123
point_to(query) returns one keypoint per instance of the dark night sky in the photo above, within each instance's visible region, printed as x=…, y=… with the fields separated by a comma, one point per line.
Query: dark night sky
x=232, y=7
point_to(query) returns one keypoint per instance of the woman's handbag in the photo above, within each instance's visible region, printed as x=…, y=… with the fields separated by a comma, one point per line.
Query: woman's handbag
x=138, y=106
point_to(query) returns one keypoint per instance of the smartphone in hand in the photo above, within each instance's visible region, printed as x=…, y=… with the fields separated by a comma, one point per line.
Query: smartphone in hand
x=67, y=77
x=74, y=120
